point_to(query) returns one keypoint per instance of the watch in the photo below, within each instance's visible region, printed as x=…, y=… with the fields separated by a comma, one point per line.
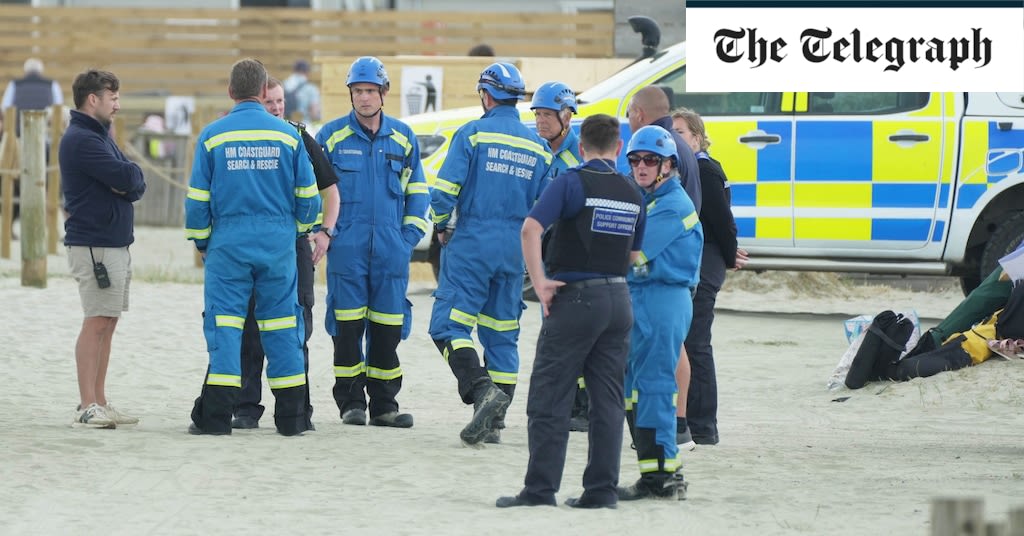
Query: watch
x=331, y=232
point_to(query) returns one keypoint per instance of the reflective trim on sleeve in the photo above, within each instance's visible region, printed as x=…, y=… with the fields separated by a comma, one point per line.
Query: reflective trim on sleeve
x=274, y=324
x=414, y=188
x=691, y=220
x=465, y=319
x=447, y=187
x=641, y=259
x=384, y=374
x=197, y=194
x=337, y=138
x=229, y=321
x=514, y=141
x=497, y=325
x=505, y=378
x=387, y=319
x=569, y=159
x=349, y=372
x=285, y=382
x=198, y=234
x=225, y=380
x=631, y=399
x=420, y=223
x=306, y=192
x=251, y=135
x=437, y=218
x=303, y=228
x=345, y=315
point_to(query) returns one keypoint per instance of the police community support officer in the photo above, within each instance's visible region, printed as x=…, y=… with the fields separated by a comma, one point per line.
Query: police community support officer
x=252, y=189
x=386, y=199
x=598, y=223
x=249, y=410
x=661, y=287
x=494, y=172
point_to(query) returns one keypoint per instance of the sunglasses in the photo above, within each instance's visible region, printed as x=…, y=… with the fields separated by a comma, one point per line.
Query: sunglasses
x=649, y=160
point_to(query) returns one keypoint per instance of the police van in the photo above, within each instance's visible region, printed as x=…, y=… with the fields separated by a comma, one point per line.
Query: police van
x=883, y=182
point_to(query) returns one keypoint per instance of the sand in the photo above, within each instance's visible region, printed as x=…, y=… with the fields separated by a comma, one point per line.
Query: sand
x=793, y=459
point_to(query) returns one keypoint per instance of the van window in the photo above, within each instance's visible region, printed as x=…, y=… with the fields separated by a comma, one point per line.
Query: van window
x=864, y=103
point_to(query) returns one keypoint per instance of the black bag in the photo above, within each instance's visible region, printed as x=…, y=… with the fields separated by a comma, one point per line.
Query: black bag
x=885, y=340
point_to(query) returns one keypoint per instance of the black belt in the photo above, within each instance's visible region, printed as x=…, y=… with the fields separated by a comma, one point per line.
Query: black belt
x=596, y=282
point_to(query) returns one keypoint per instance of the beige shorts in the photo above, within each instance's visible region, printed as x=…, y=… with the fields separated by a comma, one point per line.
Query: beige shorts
x=96, y=301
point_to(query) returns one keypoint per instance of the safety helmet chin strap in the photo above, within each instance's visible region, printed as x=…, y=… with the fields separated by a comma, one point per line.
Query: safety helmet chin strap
x=352, y=101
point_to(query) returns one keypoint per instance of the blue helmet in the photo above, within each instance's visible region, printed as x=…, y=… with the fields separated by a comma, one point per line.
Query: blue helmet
x=502, y=81
x=653, y=139
x=554, y=96
x=369, y=70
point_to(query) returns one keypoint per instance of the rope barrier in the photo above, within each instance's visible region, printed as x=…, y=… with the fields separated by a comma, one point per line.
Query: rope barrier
x=160, y=173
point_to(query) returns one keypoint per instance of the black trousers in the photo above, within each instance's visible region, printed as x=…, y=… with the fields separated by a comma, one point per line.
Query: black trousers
x=248, y=404
x=702, y=399
x=587, y=332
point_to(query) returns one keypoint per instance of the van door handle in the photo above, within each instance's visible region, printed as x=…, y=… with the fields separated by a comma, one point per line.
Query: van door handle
x=763, y=138
x=909, y=137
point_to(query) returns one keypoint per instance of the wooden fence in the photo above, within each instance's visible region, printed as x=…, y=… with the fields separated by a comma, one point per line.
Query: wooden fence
x=188, y=51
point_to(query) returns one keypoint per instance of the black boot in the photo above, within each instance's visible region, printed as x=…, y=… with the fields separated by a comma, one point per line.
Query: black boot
x=580, y=420
x=488, y=402
x=655, y=486
x=494, y=436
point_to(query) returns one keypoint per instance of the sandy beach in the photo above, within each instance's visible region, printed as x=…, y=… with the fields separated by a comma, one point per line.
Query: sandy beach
x=794, y=458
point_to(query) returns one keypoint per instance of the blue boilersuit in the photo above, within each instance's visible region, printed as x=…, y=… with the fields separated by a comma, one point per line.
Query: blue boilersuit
x=567, y=156
x=252, y=190
x=495, y=170
x=660, y=287
x=384, y=202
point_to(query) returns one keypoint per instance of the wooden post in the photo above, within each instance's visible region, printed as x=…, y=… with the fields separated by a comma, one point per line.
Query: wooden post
x=8, y=174
x=53, y=205
x=958, y=517
x=33, y=199
x=1015, y=525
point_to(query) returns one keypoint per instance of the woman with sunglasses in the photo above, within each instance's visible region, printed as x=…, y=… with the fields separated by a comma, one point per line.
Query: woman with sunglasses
x=699, y=412
x=660, y=285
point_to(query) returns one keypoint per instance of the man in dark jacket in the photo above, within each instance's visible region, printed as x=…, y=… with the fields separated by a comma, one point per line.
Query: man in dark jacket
x=99, y=186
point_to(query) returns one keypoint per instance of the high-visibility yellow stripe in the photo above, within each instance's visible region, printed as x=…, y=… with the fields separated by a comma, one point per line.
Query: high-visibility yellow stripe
x=344, y=315
x=497, y=325
x=582, y=384
x=420, y=223
x=349, y=372
x=457, y=344
x=198, y=234
x=251, y=135
x=651, y=205
x=568, y=158
x=306, y=192
x=197, y=194
x=631, y=399
x=651, y=465
x=285, y=382
x=514, y=141
x=229, y=321
x=387, y=319
x=690, y=221
x=414, y=188
x=446, y=186
x=641, y=259
x=302, y=228
x=463, y=318
x=226, y=380
x=274, y=324
x=400, y=139
x=384, y=374
x=437, y=218
x=337, y=137
x=506, y=378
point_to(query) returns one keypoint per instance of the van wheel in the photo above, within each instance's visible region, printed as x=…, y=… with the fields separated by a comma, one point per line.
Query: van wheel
x=1007, y=238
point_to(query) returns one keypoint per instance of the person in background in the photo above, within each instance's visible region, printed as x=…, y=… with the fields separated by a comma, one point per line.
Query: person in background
x=248, y=410
x=698, y=407
x=481, y=49
x=386, y=199
x=251, y=192
x=661, y=285
x=99, y=185
x=597, y=219
x=494, y=172
x=301, y=95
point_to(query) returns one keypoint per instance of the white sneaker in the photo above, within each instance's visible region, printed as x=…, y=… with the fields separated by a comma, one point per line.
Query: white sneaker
x=93, y=416
x=118, y=417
